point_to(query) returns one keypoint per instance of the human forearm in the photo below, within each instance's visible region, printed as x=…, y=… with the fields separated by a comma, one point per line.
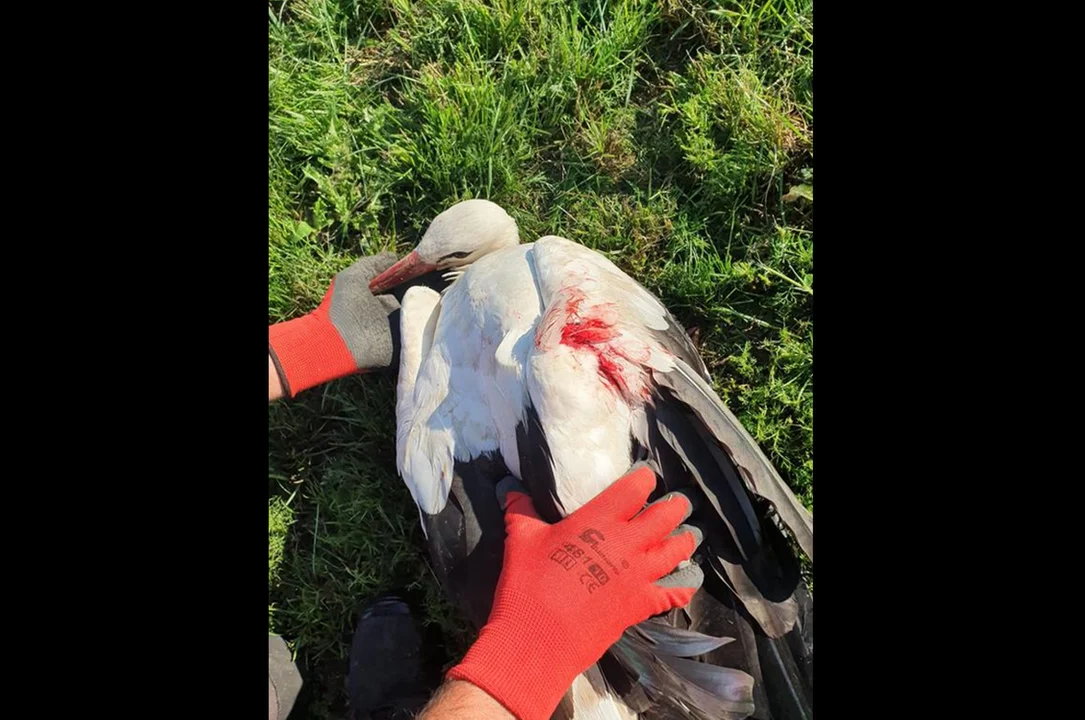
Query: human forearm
x=459, y=699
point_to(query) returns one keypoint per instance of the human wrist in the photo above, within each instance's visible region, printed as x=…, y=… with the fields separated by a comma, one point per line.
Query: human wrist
x=275, y=389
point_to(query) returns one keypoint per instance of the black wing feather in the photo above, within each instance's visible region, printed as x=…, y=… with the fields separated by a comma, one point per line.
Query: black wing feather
x=467, y=538
x=537, y=466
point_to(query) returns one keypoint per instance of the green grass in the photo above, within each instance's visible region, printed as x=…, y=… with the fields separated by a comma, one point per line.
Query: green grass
x=667, y=134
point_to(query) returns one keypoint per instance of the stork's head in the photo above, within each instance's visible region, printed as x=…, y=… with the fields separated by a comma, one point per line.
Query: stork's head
x=457, y=237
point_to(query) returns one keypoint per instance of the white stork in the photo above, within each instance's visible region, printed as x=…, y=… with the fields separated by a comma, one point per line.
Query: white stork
x=547, y=362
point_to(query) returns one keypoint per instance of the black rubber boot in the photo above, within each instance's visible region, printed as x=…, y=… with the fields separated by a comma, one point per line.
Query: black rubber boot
x=387, y=679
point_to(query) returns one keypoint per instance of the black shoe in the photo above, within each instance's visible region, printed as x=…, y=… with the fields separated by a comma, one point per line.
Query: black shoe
x=387, y=679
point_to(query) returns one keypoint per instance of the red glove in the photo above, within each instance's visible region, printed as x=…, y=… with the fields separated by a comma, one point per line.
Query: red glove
x=567, y=591
x=349, y=332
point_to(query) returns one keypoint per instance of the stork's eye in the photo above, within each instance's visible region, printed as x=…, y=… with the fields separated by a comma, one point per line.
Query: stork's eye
x=456, y=255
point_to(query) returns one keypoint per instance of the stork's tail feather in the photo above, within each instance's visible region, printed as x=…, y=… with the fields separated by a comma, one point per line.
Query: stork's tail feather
x=782, y=668
x=652, y=669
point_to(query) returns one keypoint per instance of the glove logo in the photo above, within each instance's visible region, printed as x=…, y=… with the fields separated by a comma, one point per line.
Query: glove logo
x=592, y=537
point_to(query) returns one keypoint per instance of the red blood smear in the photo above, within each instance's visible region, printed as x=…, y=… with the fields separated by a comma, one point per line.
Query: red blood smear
x=594, y=335
x=612, y=372
x=589, y=332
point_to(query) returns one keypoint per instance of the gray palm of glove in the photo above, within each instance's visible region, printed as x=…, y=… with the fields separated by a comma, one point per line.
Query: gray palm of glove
x=368, y=324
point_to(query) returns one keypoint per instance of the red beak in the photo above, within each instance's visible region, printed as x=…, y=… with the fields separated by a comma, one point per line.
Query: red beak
x=406, y=269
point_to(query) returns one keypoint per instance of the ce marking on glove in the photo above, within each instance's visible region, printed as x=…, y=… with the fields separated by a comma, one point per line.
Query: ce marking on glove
x=595, y=578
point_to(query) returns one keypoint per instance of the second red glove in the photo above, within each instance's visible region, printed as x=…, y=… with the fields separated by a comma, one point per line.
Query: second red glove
x=567, y=591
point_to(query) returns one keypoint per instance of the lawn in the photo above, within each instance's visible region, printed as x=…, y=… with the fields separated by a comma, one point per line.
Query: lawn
x=673, y=136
